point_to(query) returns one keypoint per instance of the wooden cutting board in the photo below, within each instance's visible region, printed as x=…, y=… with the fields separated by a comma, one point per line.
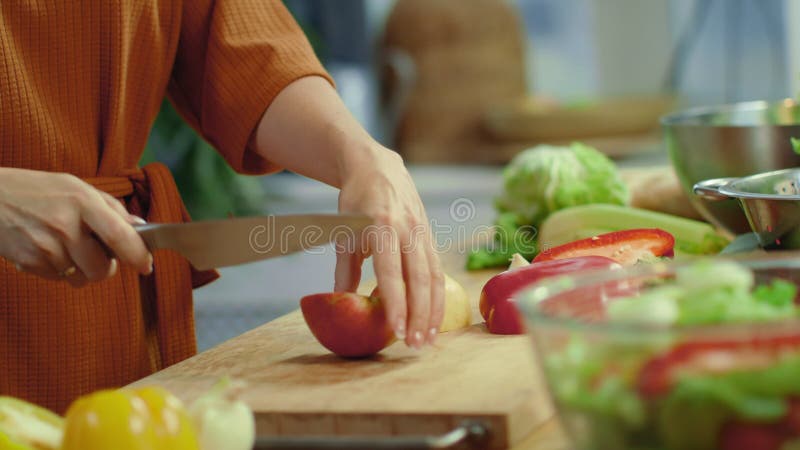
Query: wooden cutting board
x=296, y=387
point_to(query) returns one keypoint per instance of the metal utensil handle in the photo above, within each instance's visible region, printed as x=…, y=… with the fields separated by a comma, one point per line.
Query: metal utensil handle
x=709, y=189
x=149, y=234
x=468, y=435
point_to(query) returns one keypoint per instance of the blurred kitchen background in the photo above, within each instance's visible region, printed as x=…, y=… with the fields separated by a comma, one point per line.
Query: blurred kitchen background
x=460, y=86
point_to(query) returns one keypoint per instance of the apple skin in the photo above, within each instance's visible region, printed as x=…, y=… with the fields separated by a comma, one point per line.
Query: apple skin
x=347, y=324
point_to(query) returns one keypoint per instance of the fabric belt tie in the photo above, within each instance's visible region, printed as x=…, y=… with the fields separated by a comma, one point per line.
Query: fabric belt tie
x=151, y=193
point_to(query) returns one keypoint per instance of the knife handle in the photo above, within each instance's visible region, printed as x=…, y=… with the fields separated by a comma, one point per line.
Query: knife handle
x=468, y=435
x=149, y=233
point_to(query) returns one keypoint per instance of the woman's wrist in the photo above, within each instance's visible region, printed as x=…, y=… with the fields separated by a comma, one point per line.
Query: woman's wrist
x=364, y=156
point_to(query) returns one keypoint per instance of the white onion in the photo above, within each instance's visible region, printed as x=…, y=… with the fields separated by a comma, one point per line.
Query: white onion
x=223, y=421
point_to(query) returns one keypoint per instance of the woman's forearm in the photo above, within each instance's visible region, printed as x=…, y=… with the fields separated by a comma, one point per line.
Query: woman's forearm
x=308, y=130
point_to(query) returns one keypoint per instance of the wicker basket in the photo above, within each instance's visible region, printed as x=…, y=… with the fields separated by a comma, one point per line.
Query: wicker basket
x=447, y=62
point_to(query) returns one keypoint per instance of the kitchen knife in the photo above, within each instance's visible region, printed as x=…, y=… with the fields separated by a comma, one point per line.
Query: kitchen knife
x=218, y=243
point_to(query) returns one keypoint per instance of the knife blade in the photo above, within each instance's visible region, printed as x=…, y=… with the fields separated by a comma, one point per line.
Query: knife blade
x=210, y=244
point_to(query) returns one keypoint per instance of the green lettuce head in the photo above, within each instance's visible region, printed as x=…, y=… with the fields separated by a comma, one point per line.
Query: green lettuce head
x=546, y=178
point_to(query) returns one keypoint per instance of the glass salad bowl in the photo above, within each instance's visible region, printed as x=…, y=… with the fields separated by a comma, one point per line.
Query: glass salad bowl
x=696, y=355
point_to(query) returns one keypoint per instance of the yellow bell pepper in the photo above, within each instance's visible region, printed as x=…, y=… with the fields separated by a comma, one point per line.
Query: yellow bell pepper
x=25, y=426
x=148, y=418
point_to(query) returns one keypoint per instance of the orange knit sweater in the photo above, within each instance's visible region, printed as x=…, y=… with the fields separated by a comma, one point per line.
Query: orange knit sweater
x=80, y=85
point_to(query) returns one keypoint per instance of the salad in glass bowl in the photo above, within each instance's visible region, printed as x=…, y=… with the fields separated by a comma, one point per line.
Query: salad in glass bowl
x=699, y=355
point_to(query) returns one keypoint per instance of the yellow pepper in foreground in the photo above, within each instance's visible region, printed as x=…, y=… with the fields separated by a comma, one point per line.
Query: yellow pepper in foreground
x=148, y=418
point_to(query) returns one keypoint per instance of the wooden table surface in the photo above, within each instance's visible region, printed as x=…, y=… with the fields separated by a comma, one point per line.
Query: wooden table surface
x=549, y=436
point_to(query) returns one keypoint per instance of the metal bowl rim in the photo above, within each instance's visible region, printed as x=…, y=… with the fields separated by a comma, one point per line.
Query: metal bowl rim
x=682, y=118
x=731, y=190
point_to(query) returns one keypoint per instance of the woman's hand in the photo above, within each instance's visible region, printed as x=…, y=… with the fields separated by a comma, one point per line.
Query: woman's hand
x=54, y=225
x=307, y=129
x=406, y=264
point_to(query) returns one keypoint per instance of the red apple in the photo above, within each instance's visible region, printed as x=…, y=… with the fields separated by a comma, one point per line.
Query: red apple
x=348, y=324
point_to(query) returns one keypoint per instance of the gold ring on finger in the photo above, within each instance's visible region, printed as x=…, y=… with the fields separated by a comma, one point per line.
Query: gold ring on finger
x=69, y=271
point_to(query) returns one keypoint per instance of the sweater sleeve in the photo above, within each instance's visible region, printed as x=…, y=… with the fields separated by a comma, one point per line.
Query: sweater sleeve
x=233, y=58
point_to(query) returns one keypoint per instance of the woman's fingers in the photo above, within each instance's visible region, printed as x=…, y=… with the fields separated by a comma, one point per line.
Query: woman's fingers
x=51, y=273
x=119, y=208
x=348, y=270
x=117, y=234
x=91, y=258
x=77, y=256
x=418, y=287
x=114, y=204
x=49, y=259
x=386, y=259
x=93, y=250
x=437, y=292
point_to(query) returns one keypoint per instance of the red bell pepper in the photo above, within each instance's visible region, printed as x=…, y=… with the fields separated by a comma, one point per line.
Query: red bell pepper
x=497, y=304
x=658, y=375
x=625, y=247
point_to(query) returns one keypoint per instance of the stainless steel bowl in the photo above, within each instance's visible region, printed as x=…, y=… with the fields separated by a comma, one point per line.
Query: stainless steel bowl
x=733, y=140
x=770, y=201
